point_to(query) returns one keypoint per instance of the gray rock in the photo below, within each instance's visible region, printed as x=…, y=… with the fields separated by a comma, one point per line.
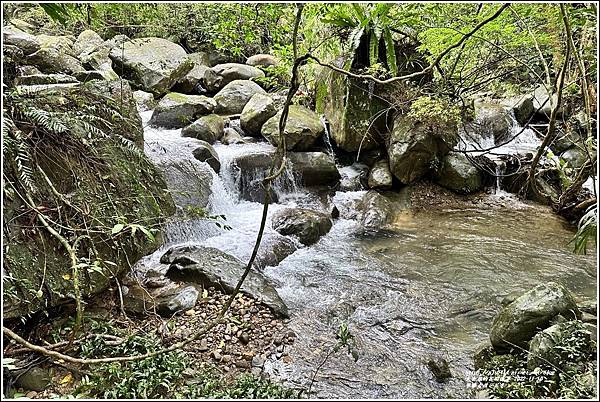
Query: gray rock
x=262, y=60
x=99, y=60
x=165, y=300
x=117, y=42
x=439, y=368
x=257, y=111
x=314, y=168
x=87, y=42
x=542, y=351
x=575, y=157
x=191, y=182
x=458, y=174
x=53, y=59
x=380, y=176
x=88, y=75
x=34, y=379
x=154, y=64
x=414, y=147
x=543, y=101
x=207, y=128
x=375, y=211
x=235, y=95
x=483, y=354
x=27, y=70
x=258, y=361
x=306, y=224
x=206, y=153
x=211, y=267
x=188, y=83
x=493, y=121
x=45, y=79
x=145, y=100
x=303, y=128
x=177, y=110
x=518, y=322
x=26, y=42
x=354, y=177
x=220, y=75
x=230, y=136
x=521, y=106
x=274, y=249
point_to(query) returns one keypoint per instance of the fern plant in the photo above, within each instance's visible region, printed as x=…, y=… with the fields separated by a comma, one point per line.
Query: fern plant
x=586, y=230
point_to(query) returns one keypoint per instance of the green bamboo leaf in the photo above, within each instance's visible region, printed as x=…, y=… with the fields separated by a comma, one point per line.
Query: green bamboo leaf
x=373, y=49
x=390, y=51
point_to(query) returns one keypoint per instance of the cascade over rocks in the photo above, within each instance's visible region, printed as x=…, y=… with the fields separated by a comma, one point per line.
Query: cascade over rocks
x=177, y=110
x=209, y=266
x=493, y=121
x=209, y=128
x=518, y=322
x=206, y=153
x=220, y=75
x=153, y=64
x=303, y=128
x=306, y=224
x=415, y=147
x=235, y=95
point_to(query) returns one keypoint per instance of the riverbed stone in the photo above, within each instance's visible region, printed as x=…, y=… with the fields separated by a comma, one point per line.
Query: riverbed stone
x=144, y=100
x=415, y=147
x=257, y=111
x=230, y=136
x=235, y=95
x=188, y=84
x=521, y=106
x=209, y=128
x=518, y=322
x=380, y=177
x=314, y=168
x=483, y=354
x=54, y=58
x=191, y=182
x=220, y=75
x=306, y=224
x=209, y=266
x=375, y=211
x=262, y=60
x=458, y=174
x=165, y=300
x=303, y=128
x=87, y=42
x=543, y=101
x=153, y=64
x=274, y=249
x=177, y=110
x=206, y=153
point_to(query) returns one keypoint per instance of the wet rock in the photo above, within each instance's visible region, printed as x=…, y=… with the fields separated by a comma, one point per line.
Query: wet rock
x=257, y=111
x=314, y=168
x=458, y=174
x=206, y=153
x=208, y=128
x=235, y=95
x=306, y=224
x=439, y=368
x=521, y=106
x=177, y=110
x=144, y=100
x=354, y=177
x=274, y=249
x=511, y=297
x=230, y=136
x=493, y=121
x=518, y=322
x=188, y=83
x=154, y=64
x=414, y=147
x=34, y=379
x=262, y=60
x=380, y=176
x=211, y=267
x=575, y=157
x=244, y=338
x=26, y=42
x=543, y=101
x=191, y=182
x=375, y=211
x=302, y=129
x=45, y=79
x=220, y=75
x=542, y=351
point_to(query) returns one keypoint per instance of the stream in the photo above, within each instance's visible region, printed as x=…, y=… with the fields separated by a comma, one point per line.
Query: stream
x=428, y=286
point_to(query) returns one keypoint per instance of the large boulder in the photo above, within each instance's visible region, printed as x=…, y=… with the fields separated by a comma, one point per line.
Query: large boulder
x=87, y=42
x=458, y=174
x=177, y=110
x=493, y=121
x=222, y=74
x=235, y=95
x=306, y=224
x=189, y=83
x=257, y=111
x=314, y=168
x=206, y=153
x=521, y=106
x=26, y=42
x=415, y=147
x=190, y=182
x=55, y=55
x=209, y=128
x=518, y=322
x=209, y=266
x=144, y=100
x=99, y=60
x=45, y=79
x=262, y=60
x=543, y=101
x=375, y=211
x=153, y=64
x=302, y=129
x=380, y=177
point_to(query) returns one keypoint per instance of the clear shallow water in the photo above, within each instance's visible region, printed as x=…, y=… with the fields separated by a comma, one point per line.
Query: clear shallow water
x=430, y=285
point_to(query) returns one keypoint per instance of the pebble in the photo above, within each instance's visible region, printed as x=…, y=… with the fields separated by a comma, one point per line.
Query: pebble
x=258, y=361
x=245, y=364
x=190, y=312
x=216, y=355
x=244, y=338
x=226, y=358
x=31, y=394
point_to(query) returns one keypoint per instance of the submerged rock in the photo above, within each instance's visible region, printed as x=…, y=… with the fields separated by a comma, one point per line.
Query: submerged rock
x=380, y=176
x=209, y=266
x=153, y=64
x=518, y=322
x=177, y=110
x=207, y=128
x=235, y=95
x=439, y=367
x=306, y=224
x=458, y=174
x=257, y=111
x=302, y=129
x=220, y=75
x=206, y=153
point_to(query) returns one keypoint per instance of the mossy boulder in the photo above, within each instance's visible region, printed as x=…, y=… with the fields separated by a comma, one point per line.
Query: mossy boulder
x=517, y=323
x=257, y=111
x=302, y=129
x=153, y=64
x=103, y=178
x=207, y=128
x=177, y=110
x=188, y=83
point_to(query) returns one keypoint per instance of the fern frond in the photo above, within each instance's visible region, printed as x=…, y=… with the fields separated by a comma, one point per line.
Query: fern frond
x=390, y=51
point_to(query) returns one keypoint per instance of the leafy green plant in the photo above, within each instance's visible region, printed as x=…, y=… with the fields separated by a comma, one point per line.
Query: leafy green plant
x=586, y=230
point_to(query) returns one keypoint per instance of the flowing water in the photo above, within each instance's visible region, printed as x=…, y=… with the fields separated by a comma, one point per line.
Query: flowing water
x=430, y=285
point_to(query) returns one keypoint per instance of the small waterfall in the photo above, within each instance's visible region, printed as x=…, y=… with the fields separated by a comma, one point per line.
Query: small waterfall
x=327, y=136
